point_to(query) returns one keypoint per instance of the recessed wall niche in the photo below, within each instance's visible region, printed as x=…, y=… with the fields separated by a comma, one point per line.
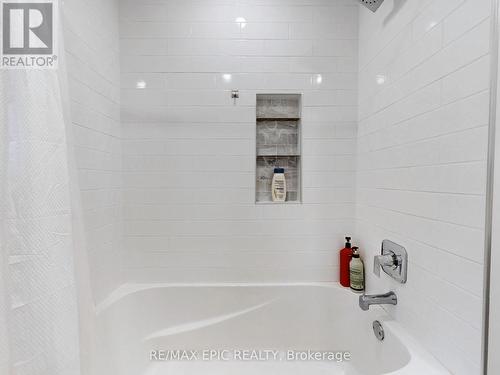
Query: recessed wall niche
x=278, y=145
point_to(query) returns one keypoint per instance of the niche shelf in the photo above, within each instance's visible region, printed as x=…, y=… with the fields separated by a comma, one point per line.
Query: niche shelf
x=278, y=145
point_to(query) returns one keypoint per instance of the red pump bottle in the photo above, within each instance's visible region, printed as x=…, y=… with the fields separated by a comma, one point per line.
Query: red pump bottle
x=344, y=259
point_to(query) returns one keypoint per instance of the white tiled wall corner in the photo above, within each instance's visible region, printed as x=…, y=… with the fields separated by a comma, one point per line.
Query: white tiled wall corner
x=189, y=151
x=92, y=57
x=493, y=365
x=421, y=166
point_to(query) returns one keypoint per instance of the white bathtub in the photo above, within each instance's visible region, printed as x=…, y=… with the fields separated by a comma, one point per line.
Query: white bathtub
x=238, y=321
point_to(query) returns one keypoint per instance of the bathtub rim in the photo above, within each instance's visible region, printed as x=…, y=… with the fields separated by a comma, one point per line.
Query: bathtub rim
x=421, y=359
x=128, y=289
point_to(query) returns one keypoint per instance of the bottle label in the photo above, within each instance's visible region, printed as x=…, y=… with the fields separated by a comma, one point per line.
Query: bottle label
x=279, y=188
x=357, y=279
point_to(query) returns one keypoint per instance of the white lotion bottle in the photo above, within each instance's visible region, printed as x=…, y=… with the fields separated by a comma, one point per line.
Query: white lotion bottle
x=357, y=272
x=278, y=187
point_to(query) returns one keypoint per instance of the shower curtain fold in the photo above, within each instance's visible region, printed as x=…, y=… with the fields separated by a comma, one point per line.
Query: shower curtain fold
x=46, y=308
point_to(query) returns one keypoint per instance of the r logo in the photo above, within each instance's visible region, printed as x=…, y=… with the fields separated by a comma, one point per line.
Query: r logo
x=28, y=29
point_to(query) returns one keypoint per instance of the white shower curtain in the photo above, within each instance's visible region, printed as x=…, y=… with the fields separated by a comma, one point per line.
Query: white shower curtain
x=46, y=311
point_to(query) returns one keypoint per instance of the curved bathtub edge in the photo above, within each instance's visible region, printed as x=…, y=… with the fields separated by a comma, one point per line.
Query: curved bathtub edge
x=187, y=327
x=127, y=289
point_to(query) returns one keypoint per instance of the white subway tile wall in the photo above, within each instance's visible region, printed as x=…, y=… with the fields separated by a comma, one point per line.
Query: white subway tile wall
x=189, y=150
x=421, y=167
x=92, y=58
x=172, y=157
